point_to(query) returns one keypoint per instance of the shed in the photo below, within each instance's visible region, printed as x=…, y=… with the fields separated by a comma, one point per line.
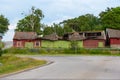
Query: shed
x=113, y=36
x=26, y=40
x=87, y=39
x=74, y=36
x=94, y=39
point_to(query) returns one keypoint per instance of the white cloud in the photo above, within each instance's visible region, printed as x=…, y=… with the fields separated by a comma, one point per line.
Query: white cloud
x=58, y=20
x=13, y=23
x=12, y=26
x=9, y=35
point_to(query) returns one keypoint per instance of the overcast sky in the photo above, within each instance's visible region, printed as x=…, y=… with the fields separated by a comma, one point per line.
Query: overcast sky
x=54, y=10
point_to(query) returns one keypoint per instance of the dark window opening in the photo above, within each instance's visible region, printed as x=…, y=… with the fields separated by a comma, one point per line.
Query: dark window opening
x=37, y=43
x=92, y=34
x=80, y=33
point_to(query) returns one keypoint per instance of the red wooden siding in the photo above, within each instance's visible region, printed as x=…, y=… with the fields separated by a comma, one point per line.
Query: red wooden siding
x=92, y=43
x=21, y=43
x=115, y=41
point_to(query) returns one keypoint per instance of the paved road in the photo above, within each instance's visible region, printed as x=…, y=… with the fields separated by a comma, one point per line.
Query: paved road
x=82, y=67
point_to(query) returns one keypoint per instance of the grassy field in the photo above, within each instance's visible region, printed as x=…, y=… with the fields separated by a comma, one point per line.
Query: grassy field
x=59, y=44
x=10, y=64
x=55, y=44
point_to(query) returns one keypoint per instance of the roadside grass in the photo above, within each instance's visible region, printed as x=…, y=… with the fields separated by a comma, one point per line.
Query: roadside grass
x=10, y=64
x=63, y=52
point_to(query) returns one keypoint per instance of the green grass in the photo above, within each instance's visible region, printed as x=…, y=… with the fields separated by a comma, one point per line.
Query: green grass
x=55, y=44
x=59, y=44
x=1, y=44
x=62, y=52
x=13, y=64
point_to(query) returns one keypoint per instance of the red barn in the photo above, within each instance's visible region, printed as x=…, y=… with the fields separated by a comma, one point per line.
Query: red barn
x=26, y=40
x=88, y=39
x=113, y=38
x=74, y=36
x=94, y=39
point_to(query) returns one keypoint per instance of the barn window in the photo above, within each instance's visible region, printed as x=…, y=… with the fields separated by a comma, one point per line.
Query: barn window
x=80, y=33
x=66, y=36
x=117, y=38
x=93, y=34
x=99, y=34
x=37, y=43
x=19, y=44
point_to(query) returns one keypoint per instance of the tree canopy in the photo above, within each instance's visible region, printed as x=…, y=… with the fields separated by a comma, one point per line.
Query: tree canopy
x=110, y=18
x=56, y=28
x=4, y=22
x=87, y=22
x=31, y=22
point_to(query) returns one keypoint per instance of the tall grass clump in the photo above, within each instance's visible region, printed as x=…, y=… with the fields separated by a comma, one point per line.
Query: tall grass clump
x=13, y=64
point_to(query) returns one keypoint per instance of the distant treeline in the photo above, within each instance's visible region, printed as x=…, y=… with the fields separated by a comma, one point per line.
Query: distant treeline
x=110, y=18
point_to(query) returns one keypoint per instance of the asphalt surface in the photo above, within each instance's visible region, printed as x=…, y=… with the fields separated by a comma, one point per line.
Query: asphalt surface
x=73, y=68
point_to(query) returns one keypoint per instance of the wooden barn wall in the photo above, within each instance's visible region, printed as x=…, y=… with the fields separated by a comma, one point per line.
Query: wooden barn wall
x=93, y=43
x=26, y=43
x=115, y=42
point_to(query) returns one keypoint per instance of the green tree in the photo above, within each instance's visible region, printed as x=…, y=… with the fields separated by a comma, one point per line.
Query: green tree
x=110, y=18
x=58, y=29
x=67, y=29
x=31, y=22
x=74, y=45
x=4, y=22
x=72, y=23
x=87, y=22
x=1, y=52
x=48, y=30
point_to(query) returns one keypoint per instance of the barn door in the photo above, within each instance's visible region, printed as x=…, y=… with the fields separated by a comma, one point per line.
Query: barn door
x=29, y=45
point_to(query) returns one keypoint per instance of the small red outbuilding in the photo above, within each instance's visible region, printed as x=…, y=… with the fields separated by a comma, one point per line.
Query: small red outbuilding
x=113, y=38
x=26, y=40
x=88, y=39
x=94, y=39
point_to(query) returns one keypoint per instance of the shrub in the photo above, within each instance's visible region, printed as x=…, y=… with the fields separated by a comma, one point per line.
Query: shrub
x=53, y=51
x=74, y=45
x=16, y=51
